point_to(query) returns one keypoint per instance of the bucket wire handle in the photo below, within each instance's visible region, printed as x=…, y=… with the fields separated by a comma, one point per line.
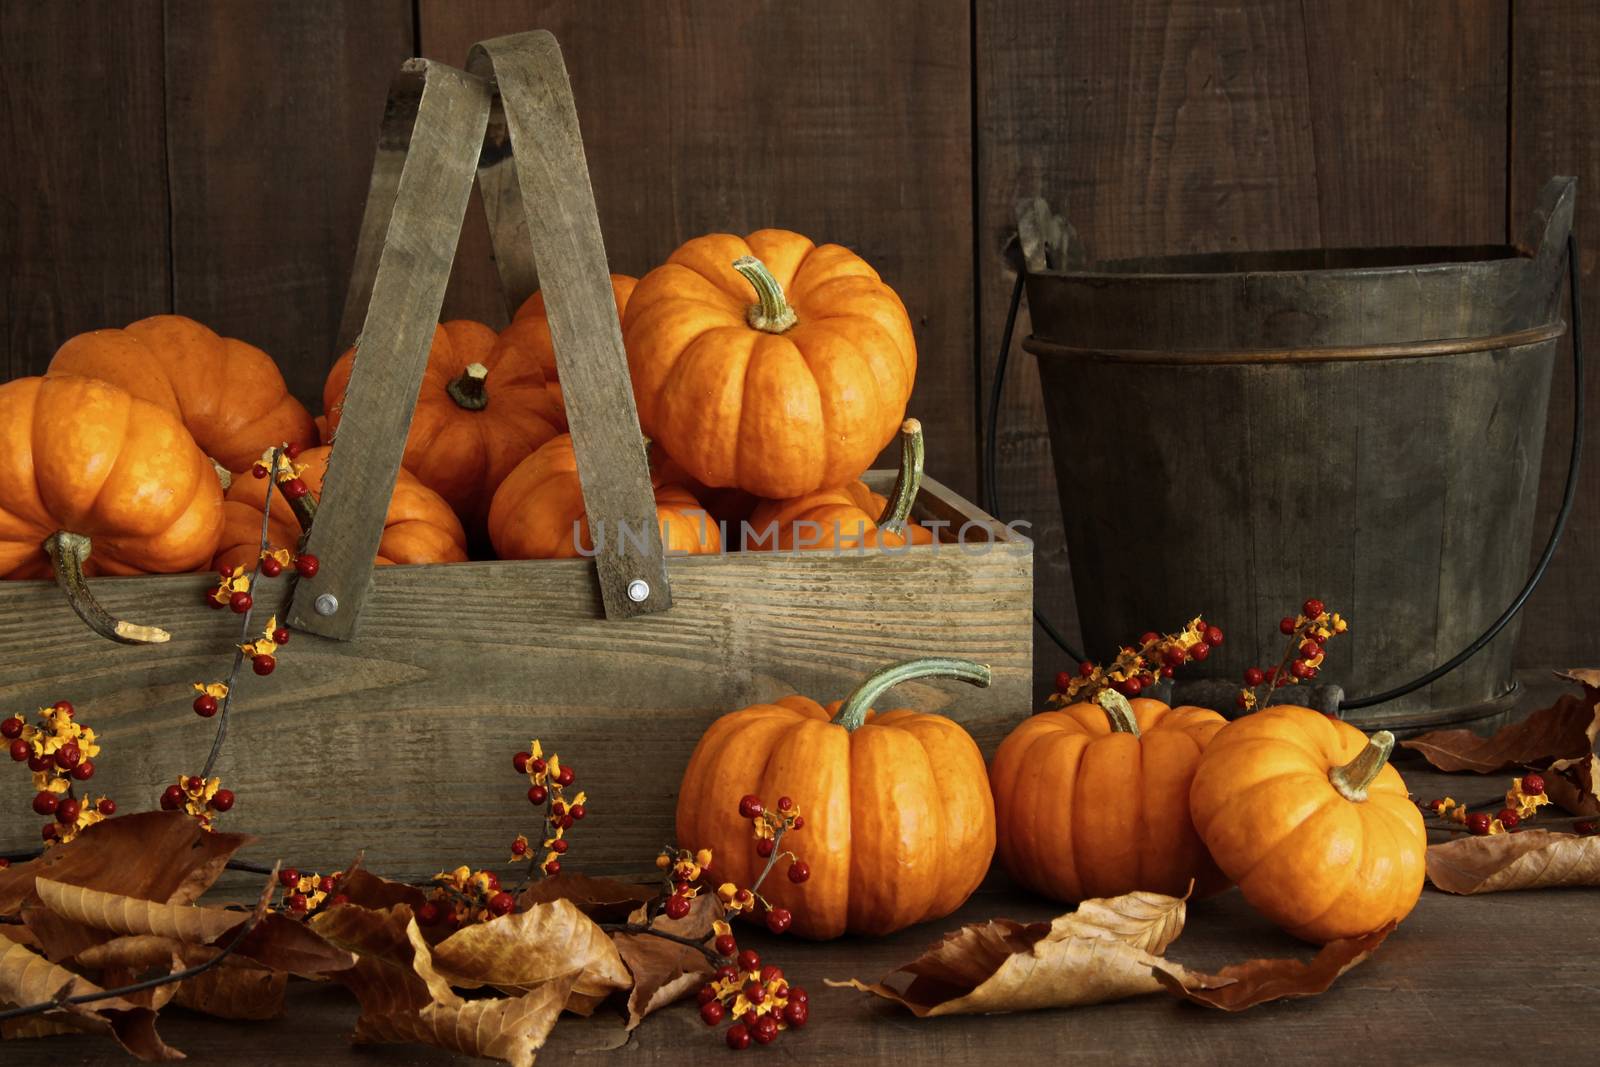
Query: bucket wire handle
x=1568, y=494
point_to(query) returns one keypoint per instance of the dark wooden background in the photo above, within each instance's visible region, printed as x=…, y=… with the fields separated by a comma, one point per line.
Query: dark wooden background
x=210, y=157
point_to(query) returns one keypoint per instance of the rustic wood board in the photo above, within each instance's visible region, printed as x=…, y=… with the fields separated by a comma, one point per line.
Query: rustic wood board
x=1465, y=980
x=1555, y=104
x=1176, y=127
x=271, y=114
x=83, y=186
x=358, y=745
x=845, y=121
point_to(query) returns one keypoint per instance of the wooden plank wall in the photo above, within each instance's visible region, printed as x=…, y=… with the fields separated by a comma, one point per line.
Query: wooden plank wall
x=211, y=159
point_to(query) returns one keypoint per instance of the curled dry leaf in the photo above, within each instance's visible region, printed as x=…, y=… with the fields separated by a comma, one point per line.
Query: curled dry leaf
x=602, y=899
x=120, y=914
x=511, y=1029
x=1574, y=785
x=1564, y=731
x=1244, y=985
x=28, y=978
x=153, y=855
x=1090, y=956
x=235, y=989
x=1528, y=859
x=665, y=972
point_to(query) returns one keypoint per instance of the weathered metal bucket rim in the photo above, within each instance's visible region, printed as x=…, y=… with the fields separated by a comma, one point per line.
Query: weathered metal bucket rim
x=1332, y=263
x=1449, y=346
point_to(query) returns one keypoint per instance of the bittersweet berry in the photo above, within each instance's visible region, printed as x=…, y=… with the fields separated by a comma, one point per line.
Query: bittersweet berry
x=1213, y=636
x=68, y=755
x=738, y=1037
x=1199, y=653
x=263, y=664
x=106, y=807
x=221, y=800
x=725, y=945
x=20, y=750
x=280, y=636
x=83, y=771
x=294, y=488
x=779, y=919
x=428, y=913
x=712, y=1012
x=171, y=798
x=677, y=906
x=65, y=707
x=502, y=903
x=765, y=1030
x=764, y=847
x=519, y=762
x=1312, y=608
x=270, y=567
x=205, y=705
x=750, y=806
x=558, y=845
x=288, y=876
x=240, y=602
x=1149, y=637
x=11, y=728
x=749, y=960
x=537, y=794
x=45, y=803
x=553, y=867
x=754, y=993
x=799, y=871
x=1532, y=785
x=67, y=811
x=1063, y=679
x=796, y=1013
x=1508, y=818
x=1286, y=625
x=306, y=565
x=296, y=901
x=1478, y=822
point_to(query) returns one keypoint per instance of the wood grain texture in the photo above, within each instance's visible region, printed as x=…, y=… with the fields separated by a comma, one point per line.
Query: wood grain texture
x=846, y=121
x=83, y=185
x=271, y=111
x=1555, y=103
x=406, y=732
x=1539, y=945
x=1175, y=127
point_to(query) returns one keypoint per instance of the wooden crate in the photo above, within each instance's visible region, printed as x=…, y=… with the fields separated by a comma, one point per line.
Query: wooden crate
x=390, y=722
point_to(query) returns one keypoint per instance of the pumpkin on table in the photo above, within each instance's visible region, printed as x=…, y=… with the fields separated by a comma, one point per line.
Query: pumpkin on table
x=768, y=363
x=482, y=409
x=851, y=517
x=1092, y=800
x=899, y=825
x=419, y=526
x=230, y=395
x=539, y=513
x=1308, y=816
x=93, y=481
x=530, y=330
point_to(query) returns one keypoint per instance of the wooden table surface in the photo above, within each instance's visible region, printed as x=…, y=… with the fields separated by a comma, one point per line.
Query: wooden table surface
x=1464, y=980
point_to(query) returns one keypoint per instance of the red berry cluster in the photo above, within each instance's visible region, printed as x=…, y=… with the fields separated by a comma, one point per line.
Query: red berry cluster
x=1522, y=802
x=202, y=798
x=548, y=780
x=758, y=998
x=1137, y=666
x=464, y=896
x=291, y=481
x=1302, y=660
x=306, y=892
x=60, y=752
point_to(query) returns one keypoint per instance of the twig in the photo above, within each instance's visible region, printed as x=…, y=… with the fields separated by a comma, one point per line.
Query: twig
x=686, y=942
x=59, y=1001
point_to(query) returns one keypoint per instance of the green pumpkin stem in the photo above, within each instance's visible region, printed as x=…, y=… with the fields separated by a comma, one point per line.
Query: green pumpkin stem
x=771, y=313
x=907, y=483
x=468, y=390
x=67, y=552
x=853, y=712
x=1352, y=779
x=1118, y=711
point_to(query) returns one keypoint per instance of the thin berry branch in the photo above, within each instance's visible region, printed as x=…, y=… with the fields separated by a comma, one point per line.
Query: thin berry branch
x=687, y=942
x=772, y=860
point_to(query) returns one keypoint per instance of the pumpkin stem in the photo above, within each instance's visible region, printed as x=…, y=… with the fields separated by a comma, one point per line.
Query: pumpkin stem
x=907, y=483
x=1118, y=711
x=468, y=389
x=772, y=313
x=853, y=712
x=67, y=552
x=1352, y=779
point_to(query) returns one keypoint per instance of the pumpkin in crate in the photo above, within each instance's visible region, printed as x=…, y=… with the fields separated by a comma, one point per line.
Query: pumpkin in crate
x=768, y=363
x=1092, y=800
x=898, y=827
x=93, y=481
x=538, y=511
x=482, y=409
x=530, y=329
x=230, y=395
x=1305, y=812
x=849, y=518
x=418, y=528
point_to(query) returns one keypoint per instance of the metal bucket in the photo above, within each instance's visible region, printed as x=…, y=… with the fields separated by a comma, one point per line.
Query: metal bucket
x=1234, y=433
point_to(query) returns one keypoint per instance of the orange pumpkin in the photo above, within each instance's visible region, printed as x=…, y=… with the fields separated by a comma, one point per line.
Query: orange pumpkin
x=530, y=329
x=85, y=466
x=418, y=528
x=899, y=826
x=852, y=517
x=538, y=512
x=1093, y=800
x=1307, y=815
x=796, y=392
x=482, y=409
x=229, y=394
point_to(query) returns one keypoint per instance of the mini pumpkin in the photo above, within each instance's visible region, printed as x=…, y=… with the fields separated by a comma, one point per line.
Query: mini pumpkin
x=539, y=513
x=1305, y=812
x=482, y=409
x=1092, y=800
x=796, y=391
x=849, y=518
x=530, y=329
x=230, y=395
x=85, y=467
x=419, y=526
x=899, y=825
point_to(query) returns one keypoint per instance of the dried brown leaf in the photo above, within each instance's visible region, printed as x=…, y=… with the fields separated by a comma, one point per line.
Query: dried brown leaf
x=235, y=990
x=60, y=938
x=367, y=890
x=1244, y=985
x=368, y=932
x=135, y=952
x=121, y=914
x=1088, y=957
x=1529, y=859
x=664, y=971
x=28, y=978
x=511, y=1029
x=153, y=855
x=280, y=943
x=602, y=899
x=1574, y=785
x=383, y=988
x=1564, y=731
